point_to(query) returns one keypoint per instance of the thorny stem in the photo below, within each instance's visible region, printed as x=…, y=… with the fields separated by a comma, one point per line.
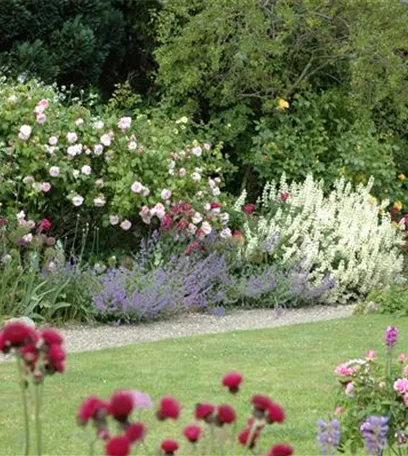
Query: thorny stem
x=25, y=408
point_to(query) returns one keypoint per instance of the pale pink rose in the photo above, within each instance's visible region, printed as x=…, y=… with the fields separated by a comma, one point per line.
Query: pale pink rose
x=145, y=211
x=370, y=355
x=206, y=227
x=402, y=357
x=182, y=172
x=197, y=217
x=52, y=140
x=137, y=187
x=72, y=137
x=28, y=180
x=98, y=124
x=50, y=149
x=41, y=118
x=200, y=233
x=98, y=149
x=44, y=103
x=126, y=225
x=132, y=145
x=30, y=224
x=77, y=200
x=27, y=238
x=401, y=385
x=87, y=150
x=79, y=122
x=344, y=370
x=207, y=146
x=145, y=191
x=54, y=171
x=99, y=201
x=113, y=220
x=45, y=187
x=165, y=194
x=39, y=109
x=124, y=123
x=106, y=139
x=339, y=411
x=192, y=228
x=207, y=207
x=196, y=177
x=225, y=233
x=159, y=210
x=25, y=132
x=74, y=150
x=86, y=169
x=197, y=151
x=350, y=390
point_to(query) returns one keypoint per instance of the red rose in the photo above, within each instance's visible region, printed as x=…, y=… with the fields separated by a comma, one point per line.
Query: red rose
x=92, y=408
x=215, y=205
x=284, y=196
x=275, y=414
x=135, y=432
x=169, y=446
x=192, y=433
x=261, y=402
x=50, y=337
x=17, y=335
x=121, y=405
x=169, y=408
x=166, y=222
x=226, y=415
x=249, y=208
x=117, y=446
x=243, y=437
x=44, y=225
x=232, y=380
x=280, y=450
x=181, y=224
x=204, y=411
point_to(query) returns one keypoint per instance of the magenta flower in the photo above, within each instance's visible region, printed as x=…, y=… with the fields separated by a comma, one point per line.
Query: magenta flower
x=141, y=400
x=391, y=336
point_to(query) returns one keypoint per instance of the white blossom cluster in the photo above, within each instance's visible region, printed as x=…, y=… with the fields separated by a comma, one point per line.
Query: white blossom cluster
x=346, y=235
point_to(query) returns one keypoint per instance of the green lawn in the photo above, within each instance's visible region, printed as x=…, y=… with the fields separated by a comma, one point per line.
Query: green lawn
x=291, y=364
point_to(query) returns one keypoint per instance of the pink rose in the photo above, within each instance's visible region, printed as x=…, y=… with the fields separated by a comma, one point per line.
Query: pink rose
x=45, y=187
x=137, y=187
x=165, y=194
x=401, y=385
x=344, y=370
x=41, y=118
x=350, y=390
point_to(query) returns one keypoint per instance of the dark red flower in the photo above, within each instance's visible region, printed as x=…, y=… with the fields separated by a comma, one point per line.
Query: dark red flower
x=243, y=437
x=29, y=354
x=169, y=447
x=284, y=196
x=192, y=433
x=50, y=337
x=232, y=380
x=92, y=408
x=215, y=205
x=249, y=208
x=185, y=206
x=204, y=412
x=121, y=405
x=135, y=432
x=117, y=446
x=182, y=224
x=55, y=358
x=275, y=414
x=225, y=415
x=169, y=408
x=261, y=402
x=16, y=335
x=166, y=223
x=280, y=450
x=192, y=247
x=45, y=225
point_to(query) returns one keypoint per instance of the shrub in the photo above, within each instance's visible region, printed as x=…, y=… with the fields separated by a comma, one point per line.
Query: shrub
x=340, y=237
x=393, y=300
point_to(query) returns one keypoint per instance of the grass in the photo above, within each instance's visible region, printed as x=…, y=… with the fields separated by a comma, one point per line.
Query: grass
x=293, y=365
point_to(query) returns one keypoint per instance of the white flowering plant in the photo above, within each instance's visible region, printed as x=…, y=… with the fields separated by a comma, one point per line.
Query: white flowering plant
x=346, y=236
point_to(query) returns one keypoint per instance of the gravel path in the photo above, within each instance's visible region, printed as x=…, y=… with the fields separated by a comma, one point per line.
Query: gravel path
x=89, y=338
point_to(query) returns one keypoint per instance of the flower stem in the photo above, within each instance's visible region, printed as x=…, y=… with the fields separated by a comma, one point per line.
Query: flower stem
x=38, y=418
x=25, y=408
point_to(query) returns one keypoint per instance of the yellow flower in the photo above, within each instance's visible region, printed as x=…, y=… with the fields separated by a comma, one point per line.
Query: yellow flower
x=402, y=177
x=282, y=104
x=398, y=205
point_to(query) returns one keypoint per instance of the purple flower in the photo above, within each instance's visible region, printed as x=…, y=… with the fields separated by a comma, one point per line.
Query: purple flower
x=391, y=336
x=374, y=431
x=328, y=436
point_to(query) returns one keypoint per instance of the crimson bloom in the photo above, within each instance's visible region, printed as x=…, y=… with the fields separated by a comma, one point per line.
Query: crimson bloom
x=15, y=335
x=166, y=222
x=215, y=205
x=275, y=414
x=117, y=446
x=181, y=224
x=55, y=358
x=280, y=450
x=245, y=438
x=50, y=337
x=249, y=208
x=192, y=433
x=169, y=447
x=92, y=408
x=135, y=432
x=225, y=415
x=284, y=196
x=45, y=225
x=232, y=381
x=204, y=412
x=121, y=405
x=169, y=408
x=260, y=402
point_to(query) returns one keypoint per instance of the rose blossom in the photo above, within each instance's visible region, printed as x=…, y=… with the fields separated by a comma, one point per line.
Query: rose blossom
x=370, y=355
x=41, y=118
x=124, y=123
x=21, y=215
x=182, y=172
x=126, y=225
x=86, y=169
x=132, y=145
x=350, y=389
x=27, y=238
x=43, y=103
x=344, y=370
x=28, y=180
x=113, y=220
x=197, y=217
x=165, y=194
x=206, y=227
x=77, y=200
x=98, y=124
x=136, y=187
x=192, y=228
x=79, y=122
x=45, y=187
x=216, y=191
x=106, y=139
x=52, y=140
x=98, y=149
x=99, y=201
x=145, y=191
x=72, y=137
x=158, y=210
x=74, y=150
x=402, y=358
x=197, y=151
x=196, y=177
x=401, y=385
x=25, y=132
